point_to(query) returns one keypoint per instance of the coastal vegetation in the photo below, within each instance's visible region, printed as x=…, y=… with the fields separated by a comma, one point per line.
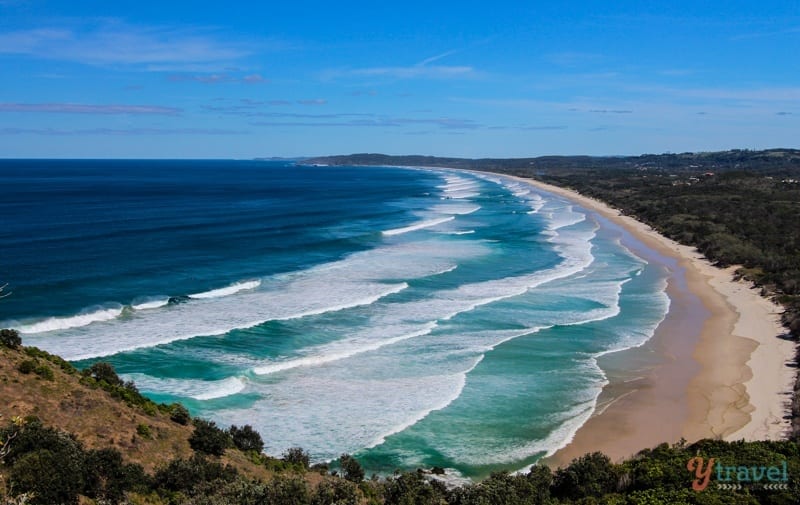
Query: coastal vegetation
x=196, y=462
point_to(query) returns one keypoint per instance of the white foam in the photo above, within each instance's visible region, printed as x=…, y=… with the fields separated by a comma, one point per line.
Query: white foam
x=455, y=208
x=369, y=300
x=338, y=351
x=189, y=388
x=419, y=416
x=418, y=226
x=351, y=282
x=228, y=290
x=461, y=195
x=152, y=304
x=458, y=232
x=77, y=321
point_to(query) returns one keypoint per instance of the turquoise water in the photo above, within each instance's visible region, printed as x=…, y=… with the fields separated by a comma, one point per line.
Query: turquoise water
x=410, y=317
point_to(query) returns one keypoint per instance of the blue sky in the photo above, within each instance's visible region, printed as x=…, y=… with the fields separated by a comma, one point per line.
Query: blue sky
x=175, y=79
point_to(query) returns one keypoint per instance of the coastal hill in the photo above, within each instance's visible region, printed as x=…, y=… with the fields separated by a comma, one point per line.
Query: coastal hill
x=772, y=162
x=81, y=437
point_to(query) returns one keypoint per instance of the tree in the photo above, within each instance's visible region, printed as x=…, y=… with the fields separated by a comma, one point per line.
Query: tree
x=108, y=477
x=184, y=475
x=297, y=456
x=246, y=438
x=208, y=438
x=412, y=487
x=335, y=492
x=351, y=468
x=10, y=338
x=590, y=475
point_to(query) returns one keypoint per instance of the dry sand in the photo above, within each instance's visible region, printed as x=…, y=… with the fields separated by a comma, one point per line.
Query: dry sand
x=715, y=367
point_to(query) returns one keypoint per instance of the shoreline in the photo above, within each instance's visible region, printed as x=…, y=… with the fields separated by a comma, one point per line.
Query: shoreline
x=715, y=367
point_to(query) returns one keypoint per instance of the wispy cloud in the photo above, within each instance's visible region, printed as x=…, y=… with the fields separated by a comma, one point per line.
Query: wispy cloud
x=369, y=121
x=313, y=101
x=120, y=131
x=80, y=108
x=217, y=78
x=417, y=71
x=113, y=42
x=438, y=57
x=421, y=70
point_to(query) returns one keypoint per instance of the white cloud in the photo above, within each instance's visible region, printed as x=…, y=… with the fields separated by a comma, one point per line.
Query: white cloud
x=417, y=71
x=80, y=108
x=107, y=42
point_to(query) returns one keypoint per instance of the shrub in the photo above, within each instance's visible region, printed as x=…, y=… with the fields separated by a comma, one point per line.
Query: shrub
x=52, y=476
x=179, y=414
x=184, y=475
x=27, y=366
x=107, y=477
x=297, y=456
x=590, y=475
x=35, y=436
x=335, y=492
x=144, y=431
x=288, y=491
x=10, y=338
x=208, y=438
x=104, y=372
x=351, y=468
x=45, y=372
x=246, y=438
x=413, y=487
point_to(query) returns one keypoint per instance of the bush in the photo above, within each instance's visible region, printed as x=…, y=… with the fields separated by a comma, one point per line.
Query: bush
x=107, y=477
x=246, y=438
x=351, y=468
x=179, y=414
x=413, y=487
x=143, y=430
x=287, y=491
x=10, y=338
x=27, y=366
x=297, y=456
x=591, y=475
x=104, y=372
x=52, y=477
x=184, y=475
x=335, y=492
x=45, y=372
x=208, y=438
x=35, y=436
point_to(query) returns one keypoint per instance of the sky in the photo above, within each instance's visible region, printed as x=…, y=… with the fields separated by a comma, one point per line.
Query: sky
x=175, y=79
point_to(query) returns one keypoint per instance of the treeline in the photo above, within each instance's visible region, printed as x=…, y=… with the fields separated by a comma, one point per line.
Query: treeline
x=773, y=161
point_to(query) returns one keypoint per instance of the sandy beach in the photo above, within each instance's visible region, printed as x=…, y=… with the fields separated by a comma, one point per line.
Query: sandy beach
x=715, y=367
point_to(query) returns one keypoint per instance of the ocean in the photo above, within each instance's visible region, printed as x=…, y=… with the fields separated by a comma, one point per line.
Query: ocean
x=411, y=317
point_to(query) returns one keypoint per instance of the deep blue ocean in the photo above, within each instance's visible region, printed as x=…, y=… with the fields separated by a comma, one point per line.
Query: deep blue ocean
x=411, y=317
